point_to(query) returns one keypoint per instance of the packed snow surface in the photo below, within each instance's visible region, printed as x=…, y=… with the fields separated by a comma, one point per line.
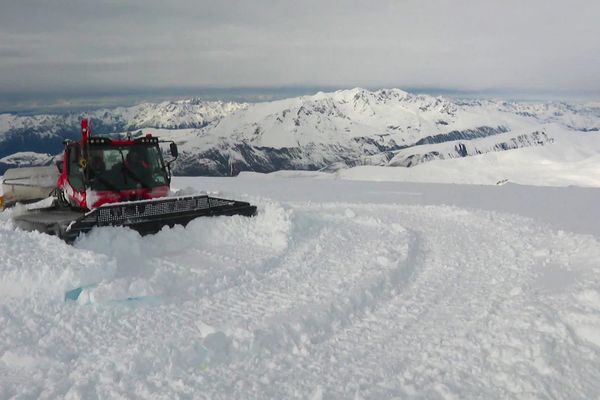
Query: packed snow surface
x=336, y=289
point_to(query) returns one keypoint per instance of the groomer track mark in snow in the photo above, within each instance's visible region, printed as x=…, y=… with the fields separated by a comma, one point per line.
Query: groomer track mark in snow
x=325, y=299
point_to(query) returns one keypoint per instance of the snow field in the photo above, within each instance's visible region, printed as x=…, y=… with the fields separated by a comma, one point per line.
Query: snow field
x=319, y=299
x=34, y=264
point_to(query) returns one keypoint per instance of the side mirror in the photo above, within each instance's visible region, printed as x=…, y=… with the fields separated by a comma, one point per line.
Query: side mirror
x=59, y=165
x=174, y=151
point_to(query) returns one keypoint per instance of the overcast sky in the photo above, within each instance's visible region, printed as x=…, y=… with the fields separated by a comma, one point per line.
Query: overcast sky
x=104, y=48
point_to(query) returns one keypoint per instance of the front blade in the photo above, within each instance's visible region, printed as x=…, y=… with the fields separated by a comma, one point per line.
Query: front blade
x=149, y=216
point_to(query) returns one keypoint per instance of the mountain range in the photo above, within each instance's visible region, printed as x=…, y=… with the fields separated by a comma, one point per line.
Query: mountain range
x=325, y=131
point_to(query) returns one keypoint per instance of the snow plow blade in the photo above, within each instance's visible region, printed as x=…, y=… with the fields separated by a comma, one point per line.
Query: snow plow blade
x=150, y=216
x=144, y=216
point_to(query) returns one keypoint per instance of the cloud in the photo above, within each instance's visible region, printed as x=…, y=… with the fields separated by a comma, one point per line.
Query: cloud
x=69, y=45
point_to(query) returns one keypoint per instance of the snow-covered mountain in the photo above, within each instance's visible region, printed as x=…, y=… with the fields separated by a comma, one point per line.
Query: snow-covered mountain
x=45, y=133
x=330, y=131
x=386, y=127
x=419, y=154
x=26, y=158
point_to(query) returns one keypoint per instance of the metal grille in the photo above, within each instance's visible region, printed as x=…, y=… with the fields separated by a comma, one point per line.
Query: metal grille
x=142, y=210
x=149, y=216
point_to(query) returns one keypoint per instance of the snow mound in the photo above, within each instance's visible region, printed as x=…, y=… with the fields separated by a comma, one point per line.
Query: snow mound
x=34, y=264
x=153, y=267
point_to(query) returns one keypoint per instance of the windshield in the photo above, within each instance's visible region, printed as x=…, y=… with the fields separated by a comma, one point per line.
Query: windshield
x=125, y=167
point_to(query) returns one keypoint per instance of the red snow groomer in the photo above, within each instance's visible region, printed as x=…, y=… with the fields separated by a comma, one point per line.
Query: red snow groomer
x=108, y=182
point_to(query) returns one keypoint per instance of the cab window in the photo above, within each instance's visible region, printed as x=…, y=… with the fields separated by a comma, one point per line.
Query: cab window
x=74, y=172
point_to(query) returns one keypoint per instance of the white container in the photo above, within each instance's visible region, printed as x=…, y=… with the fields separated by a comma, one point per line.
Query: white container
x=24, y=185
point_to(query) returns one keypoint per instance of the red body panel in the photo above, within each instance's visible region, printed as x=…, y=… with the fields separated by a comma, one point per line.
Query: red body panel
x=100, y=197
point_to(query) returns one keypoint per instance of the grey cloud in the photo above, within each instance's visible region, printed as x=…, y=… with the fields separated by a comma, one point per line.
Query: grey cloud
x=473, y=45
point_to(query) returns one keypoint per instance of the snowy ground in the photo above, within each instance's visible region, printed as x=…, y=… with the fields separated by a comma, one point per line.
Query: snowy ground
x=337, y=289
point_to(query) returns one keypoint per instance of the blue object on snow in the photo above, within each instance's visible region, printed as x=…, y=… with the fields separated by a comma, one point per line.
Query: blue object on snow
x=73, y=295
